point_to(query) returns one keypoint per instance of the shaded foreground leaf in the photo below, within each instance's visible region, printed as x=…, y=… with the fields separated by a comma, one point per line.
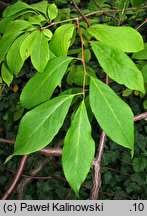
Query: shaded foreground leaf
x=118, y=66
x=113, y=114
x=78, y=150
x=39, y=126
x=41, y=86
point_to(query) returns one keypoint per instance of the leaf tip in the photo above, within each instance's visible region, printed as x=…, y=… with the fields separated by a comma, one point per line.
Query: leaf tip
x=8, y=158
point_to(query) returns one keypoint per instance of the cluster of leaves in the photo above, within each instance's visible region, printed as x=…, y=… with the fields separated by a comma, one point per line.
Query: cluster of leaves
x=28, y=32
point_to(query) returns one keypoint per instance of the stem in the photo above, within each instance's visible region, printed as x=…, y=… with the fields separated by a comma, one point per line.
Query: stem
x=83, y=58
x=23, y=184
x=122, y=13
x=141, y=24
x=140, y=116
x=7, y=141
x=51, y=152
x=83, y=16
x=16, y=177
x=91, y=14
x=97, y=168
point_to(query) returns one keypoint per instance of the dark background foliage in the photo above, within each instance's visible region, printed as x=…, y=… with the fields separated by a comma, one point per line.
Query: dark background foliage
x=122, y=176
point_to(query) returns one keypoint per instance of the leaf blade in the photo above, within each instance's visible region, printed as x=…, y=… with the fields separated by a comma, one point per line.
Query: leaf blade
x=118, y=66
x=78, y=149
x=44, y=83
x=40, y=52
x=52, y=11
x=61, y=39
x=125, y=38
x=114, y=115
x=15, y=8
x=39, y=126
x=5, y=43
x=15, y=62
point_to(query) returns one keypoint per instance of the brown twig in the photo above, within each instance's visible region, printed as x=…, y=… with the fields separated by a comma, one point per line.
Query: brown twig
x=83, y=58
x=97, y=169
x=140, y=116
x=51, y=151
x=145, y=21
x=97, y=4
x=114, y=10
x=105, y=14
x=16, y=177
x=116, y=195
x=80, y=12
x=23, y=184
x=91, y=14
x=7, y=141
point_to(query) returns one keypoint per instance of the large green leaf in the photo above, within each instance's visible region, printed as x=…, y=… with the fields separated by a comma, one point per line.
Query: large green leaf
x=16, y=26
x=41, y=6
x=78, y=149
x=5, y=43
x=114, y=115
x=40, y=51
x=4, y=22
x=61, y=39
x=26, y=46
x=125, y=38
x=41, y=86
x=14, y=60
x=39, y=126
x=15, y=8
x=118, y=66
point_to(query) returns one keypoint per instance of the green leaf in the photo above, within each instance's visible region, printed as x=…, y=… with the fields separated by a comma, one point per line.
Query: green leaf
x=4, y=22
x=14, y=60
x=40, y=6
x=61, y=39
x=15, y=8
x=144, y=73
x=125, y=38
x=41, y=86
x=137, y=3
x=26, y=46
x=40, y=52
x=36, y=19
x=52, y=11
x=6, y=75
x=139, y=164
x=114, y=115
x=47, y=33
x=127, y=92
x=78, y=150
x=141, y=54
x=76, y=75
x=118, y=66
x=5, y=43
x=39, y=126
x=16, y=26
